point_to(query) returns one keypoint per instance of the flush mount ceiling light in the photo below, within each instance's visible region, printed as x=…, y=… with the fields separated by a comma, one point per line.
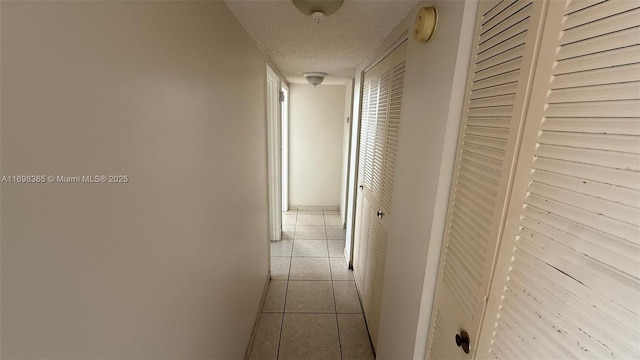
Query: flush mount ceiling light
x=318, y=9
x=315, y=78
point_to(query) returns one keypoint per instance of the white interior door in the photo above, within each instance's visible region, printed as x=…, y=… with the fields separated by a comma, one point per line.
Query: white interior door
x=501, y=65
x=567, y=281
x=382, y=103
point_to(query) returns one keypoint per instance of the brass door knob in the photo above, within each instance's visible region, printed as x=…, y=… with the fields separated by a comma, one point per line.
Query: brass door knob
x=462, y=340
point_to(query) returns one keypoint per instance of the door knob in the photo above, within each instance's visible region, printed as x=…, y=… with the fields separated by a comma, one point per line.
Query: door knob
x=380, y=214
x=462, y=340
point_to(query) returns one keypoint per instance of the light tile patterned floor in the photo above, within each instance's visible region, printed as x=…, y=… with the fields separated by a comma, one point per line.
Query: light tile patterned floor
x=311, y=310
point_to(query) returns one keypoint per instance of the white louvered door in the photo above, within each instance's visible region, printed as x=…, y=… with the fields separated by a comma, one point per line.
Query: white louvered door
x=381, y=105
x=567, y=280
x=502, y=61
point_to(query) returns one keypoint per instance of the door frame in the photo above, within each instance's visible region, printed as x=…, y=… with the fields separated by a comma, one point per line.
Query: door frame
x=274, y=156
x=284, y=112
x=354, y=147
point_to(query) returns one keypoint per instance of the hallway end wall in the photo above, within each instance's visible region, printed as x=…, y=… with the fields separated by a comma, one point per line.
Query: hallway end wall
x=171, y=264
x=316, y=128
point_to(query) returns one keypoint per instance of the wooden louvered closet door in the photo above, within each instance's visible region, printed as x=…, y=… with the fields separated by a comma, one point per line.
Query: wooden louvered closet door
x=501, y=64
x=380, y=123
x=567, y=280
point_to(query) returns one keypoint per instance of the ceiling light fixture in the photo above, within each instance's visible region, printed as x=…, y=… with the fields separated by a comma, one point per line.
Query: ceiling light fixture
x=318, y=9
x=315, y=78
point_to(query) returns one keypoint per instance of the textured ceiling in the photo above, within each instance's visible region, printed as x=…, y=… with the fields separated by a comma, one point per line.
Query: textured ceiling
x=342, y=41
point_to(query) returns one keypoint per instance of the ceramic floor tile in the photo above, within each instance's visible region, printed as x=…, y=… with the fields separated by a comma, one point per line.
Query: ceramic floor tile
x=336, y=248
x=307, y=268
x=281, y=248
x=339, y=269
x=310, y=220
x=335, y=232
x=274, y=301
x=346, y=295
x=309, y=207
x=310, y=296
x=304, y=232
x=332, y=220
x=310, y=210
x=310, y=248
x=354, y=339
x=288, y=232
x=309, y=337
x=280, y=268
x=265, y=344
x=289, y=219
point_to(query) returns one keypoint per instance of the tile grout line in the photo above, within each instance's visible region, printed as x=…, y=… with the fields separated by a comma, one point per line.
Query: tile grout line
x=333, y=290
x=284, y=305
x=286, y=291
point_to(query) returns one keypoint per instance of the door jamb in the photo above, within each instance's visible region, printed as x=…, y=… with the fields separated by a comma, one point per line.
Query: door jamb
x=284, y=113
x=274, y=156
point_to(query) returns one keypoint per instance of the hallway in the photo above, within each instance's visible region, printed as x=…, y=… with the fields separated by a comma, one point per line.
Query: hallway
x=312, y=309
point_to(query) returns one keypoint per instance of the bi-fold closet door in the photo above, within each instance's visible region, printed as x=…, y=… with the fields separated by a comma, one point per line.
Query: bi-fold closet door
x=380, y=124
x=541, y=255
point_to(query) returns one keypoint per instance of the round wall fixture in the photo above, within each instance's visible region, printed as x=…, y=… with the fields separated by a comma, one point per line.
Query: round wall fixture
x=425, y=24
x=315, y=78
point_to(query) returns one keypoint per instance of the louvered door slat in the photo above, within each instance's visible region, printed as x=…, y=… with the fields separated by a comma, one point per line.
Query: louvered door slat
x=597, y=245
x=626, y=108
x=609, y=159
x=514, y=18
x=618, y=74
x=391, y=140
x=588, y=172
x=621, y=21
x=618, y=57
x=370, y=128
x=380, y=132
x=615, y=40
x=599, y=190
x=362, y=154
x=501, y=77
x=617, y=91
x=621, y=126
x=609, y=225
x=601, y=12
x=579, y=5
x=506, y=62
x=377, y=283
x=515, y=42
x=527, y=264
x=494, y=143
x=501, y=62
x=569, y=265
x=509, y=28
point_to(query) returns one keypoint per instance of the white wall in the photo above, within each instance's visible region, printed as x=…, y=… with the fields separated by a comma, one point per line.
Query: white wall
x=346, y=132
x=433, y=95
x=315, y=144
x=173, y=263
x=431, y=115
